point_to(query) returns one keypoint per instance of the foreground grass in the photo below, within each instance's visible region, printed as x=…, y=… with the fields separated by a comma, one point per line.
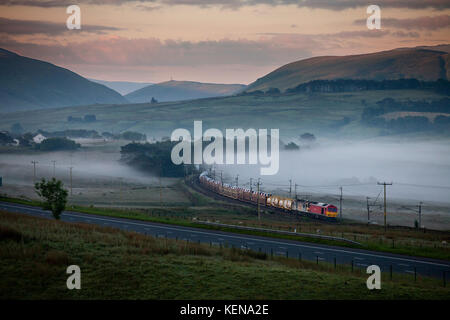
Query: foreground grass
x=396, y=240
x=34, y=255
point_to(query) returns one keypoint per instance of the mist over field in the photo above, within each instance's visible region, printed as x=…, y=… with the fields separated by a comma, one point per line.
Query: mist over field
x=420, y=171
x=87, y=165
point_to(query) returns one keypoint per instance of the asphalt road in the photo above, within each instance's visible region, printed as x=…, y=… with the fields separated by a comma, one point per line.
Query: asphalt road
x=293, y=249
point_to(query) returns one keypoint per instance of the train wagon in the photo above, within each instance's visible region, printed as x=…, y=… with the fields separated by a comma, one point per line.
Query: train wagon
x=312, y=208
x=325, y=209
x=280, y=202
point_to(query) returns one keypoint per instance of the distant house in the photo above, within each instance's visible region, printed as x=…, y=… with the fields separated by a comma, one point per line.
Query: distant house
x=38, y=138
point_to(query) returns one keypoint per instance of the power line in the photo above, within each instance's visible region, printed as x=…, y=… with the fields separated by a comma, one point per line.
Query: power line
x=34, y=170
x=70, y=168
x=422, y=185
x=384, y=184
x=258, y=185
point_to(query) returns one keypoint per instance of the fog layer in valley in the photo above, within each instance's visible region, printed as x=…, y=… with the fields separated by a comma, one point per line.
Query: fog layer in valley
x=88, y=166
x=420, y=171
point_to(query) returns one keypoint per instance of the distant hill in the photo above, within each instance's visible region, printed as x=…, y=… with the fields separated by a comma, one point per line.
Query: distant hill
x=123, y=87
x=421, y=63
x=182, y=90
x=27, y=84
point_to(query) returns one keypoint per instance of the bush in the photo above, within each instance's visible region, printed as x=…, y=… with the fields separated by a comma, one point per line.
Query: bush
x=133, y=136
x=291, y=146
x=53, y=194
x=57, y=144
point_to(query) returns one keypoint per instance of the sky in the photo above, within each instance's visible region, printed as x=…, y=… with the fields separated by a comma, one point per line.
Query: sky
x=220, y=41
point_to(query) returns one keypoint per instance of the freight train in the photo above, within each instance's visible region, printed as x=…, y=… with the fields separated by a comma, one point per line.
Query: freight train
x=295, y=206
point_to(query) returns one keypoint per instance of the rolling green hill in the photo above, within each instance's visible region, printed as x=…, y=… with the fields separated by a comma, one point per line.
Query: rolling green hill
x=27, y=84
x=422, y=63
x=324, y=114
x=182, y=90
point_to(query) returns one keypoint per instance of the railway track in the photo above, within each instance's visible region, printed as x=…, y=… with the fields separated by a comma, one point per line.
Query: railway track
x=305, y=215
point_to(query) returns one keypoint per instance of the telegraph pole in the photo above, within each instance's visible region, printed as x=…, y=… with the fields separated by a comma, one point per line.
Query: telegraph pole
x=368, y=210
x=340, y=203
x=34, y=170
x=251, y=182
x=160, y=184
x=290, y=188
x=54, y=167
x=221, y=178
x=70, y=168
x=384, y=184
x=258, y=184
x=420, y=214
x=295, y=190
x=237, y=180
x=373, y=204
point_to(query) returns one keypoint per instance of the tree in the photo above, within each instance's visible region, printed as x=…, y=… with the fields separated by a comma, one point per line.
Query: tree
x=57, y=143
x=273, y=91
x=54, y=194
x=90, y=118
x=133, y=136
x=292, y=146
x=26, y=140
x=16, y=128
x=5, y=138
x=308, y=137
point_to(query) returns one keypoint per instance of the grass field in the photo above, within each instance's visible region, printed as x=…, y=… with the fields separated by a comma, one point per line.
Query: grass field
x=399, y=240
x=35, y=253
x=293, y=114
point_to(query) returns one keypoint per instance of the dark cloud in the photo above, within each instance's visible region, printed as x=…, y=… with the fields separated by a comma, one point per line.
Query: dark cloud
x=270, y=48
x=319, y=4
x=410, y=34
x=24, y=27
x=419, y=23
x=330, y=36
x=154, y=52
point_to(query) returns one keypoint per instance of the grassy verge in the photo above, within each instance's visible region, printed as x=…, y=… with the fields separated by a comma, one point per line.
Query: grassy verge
x=183, y=216
x=34, y=255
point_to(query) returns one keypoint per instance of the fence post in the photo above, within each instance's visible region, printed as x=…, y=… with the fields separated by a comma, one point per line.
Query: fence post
x=287, y=253
x=271, y=252
x=317, y=259
x=352, y=265
x=299, y=256
x=443, y=275
x=390, y=271
x=334, y=263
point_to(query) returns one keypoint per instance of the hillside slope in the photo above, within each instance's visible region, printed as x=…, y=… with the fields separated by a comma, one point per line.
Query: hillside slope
x=27, y=84
x=182, y=90
x=122, y=87
x=422, y=63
